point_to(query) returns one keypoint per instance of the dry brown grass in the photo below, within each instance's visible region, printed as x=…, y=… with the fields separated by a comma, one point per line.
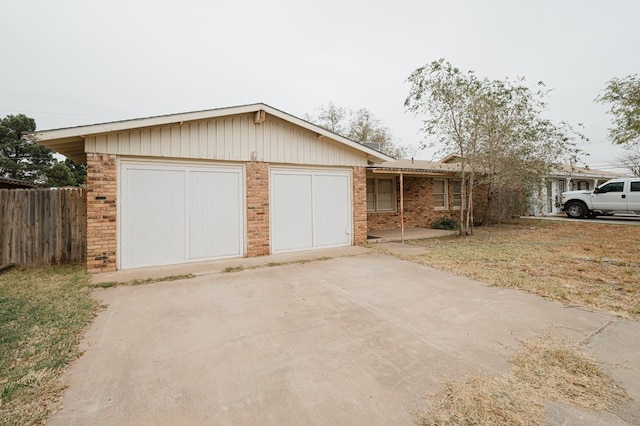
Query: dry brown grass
x=578, y=263
x=546, y=368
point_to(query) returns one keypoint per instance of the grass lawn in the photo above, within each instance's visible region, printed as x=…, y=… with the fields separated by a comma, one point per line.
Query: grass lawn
x=42, y=315
x=578, y=263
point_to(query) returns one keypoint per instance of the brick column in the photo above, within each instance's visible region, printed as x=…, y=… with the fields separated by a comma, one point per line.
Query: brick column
x=101, y=212
x=359, y=205
x=257, y=209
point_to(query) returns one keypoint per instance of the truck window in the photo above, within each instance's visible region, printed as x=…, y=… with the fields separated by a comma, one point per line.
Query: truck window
x=612, y=187
x=635, y=186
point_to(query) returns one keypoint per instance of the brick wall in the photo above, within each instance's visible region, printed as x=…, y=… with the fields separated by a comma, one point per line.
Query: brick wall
x=359, y=205
x=257, y=209
x=418, y=206
x=101, y=212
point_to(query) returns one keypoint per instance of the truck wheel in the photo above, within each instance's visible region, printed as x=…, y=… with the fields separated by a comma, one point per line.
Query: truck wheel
x=576, y=210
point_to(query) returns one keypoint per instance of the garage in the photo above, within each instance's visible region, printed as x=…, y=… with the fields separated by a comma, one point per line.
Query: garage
x=310, y=209
x=241, y=181
x=176, y=213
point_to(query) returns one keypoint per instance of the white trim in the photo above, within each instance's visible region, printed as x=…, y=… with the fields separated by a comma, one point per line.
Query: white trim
x=60, y=137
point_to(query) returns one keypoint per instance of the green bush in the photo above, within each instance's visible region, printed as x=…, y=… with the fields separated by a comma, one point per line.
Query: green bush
x=446, y=222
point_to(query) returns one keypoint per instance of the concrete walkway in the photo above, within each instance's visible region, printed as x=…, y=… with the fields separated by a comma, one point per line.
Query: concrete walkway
x=389, y=235
x=358, y=339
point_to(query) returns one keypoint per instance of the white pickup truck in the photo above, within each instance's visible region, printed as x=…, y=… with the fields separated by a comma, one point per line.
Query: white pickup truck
x=620, y=196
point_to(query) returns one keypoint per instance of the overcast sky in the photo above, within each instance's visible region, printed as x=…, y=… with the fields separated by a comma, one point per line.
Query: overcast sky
x=68, y=63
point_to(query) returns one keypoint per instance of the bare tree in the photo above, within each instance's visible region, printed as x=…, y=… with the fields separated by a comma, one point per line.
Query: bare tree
x=630, y=160
x=359, y=126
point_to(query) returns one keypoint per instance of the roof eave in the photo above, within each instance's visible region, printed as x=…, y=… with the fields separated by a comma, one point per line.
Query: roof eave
x=70, y=141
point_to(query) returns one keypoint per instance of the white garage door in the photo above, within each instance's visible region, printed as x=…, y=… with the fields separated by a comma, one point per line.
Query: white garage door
x=310, y=209
x=179, y=213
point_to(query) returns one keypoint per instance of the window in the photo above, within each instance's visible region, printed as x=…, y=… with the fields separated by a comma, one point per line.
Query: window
x=583, y=185
x=440, y=194
x=381, y=195
x=612, y=187
x=456, y=187
x=635, y=186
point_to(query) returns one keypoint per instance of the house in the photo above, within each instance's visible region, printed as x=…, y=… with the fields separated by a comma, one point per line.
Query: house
x=565, y=178
x=6, y=183
x=242, y=181
x=412, y=193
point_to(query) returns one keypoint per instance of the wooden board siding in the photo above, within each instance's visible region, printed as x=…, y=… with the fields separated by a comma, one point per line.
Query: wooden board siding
x=231, y=138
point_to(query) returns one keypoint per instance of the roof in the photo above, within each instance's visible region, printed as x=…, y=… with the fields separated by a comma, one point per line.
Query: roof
x=451, y=158
x=70, y=141
x=572, y=171
x=411, y=166
x=15, y=184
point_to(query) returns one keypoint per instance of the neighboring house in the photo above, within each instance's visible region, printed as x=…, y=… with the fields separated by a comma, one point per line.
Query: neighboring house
x=565, y=178
x=242, y=181
x=6, y=183
x=412, y=193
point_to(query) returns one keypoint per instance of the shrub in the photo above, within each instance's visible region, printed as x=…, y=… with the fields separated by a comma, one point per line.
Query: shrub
x=446, y=222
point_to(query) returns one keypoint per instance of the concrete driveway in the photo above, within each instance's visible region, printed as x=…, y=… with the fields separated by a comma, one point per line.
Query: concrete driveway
x=354, y=340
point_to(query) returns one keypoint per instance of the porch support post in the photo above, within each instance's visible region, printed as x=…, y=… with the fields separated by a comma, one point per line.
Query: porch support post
x=401, y=208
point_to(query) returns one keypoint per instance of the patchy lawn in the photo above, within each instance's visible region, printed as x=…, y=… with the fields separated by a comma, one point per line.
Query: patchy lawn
x=578, y=263
x=546, y=368
x=42, y=315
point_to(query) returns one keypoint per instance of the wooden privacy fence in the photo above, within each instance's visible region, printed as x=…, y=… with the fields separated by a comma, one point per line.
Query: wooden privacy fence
x=43, y=226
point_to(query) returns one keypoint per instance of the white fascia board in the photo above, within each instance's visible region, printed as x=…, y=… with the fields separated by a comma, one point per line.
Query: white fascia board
x=378, y=156
x=117, y=126
x=81, y=132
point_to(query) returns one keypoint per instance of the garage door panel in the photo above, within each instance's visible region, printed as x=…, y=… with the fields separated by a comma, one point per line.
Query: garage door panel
x=332, y=219
x=176, y=213
x=310, y=208
x=154, y=221
x=291, y=211
x=215, y=226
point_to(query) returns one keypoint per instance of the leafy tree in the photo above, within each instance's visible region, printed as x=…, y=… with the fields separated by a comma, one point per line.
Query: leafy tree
x=497, y=130
x=624, y=97
x=360, y=126
x=19, y=158
x=66, y=173
x=24, y=160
